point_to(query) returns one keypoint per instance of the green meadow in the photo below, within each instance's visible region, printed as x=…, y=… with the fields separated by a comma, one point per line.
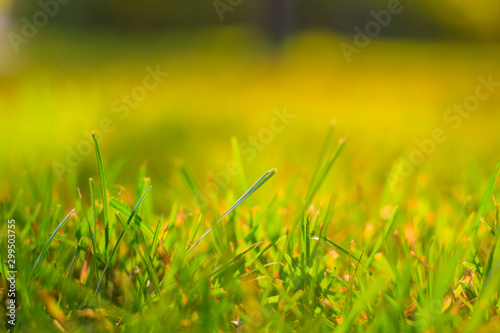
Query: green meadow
x=210, y=181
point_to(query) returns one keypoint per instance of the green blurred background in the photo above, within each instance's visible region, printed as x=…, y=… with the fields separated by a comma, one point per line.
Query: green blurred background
x=227, y=76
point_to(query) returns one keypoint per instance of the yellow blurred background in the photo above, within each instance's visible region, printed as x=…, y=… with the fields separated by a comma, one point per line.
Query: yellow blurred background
x=226, y=79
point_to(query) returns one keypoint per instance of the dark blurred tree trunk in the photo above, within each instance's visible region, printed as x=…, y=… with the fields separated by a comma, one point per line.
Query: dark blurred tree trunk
x=279, y=18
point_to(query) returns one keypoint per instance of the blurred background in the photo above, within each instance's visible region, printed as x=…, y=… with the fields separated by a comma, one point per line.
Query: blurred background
x=67, y=67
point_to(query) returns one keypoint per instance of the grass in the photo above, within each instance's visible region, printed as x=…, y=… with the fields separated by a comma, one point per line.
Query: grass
x=252, y=270
x=324, y=244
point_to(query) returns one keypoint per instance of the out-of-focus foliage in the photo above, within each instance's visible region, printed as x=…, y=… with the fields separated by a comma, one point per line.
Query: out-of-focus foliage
x=419, y=18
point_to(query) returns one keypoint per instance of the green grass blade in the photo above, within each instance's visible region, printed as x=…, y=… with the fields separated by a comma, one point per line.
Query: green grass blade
x=340, y=248
x=47, y=244
x=490, y=287
x=155, y=236
x=119, y=240
x=264, y=250
x=145, y=258
x=316, y=183
x=484, y=202
x=387, y=227
x=66, y=241
x=324, y=148
x=190, y=181
x=318, y=180
x=56, y=215
x=198, y=224
x=15, y=204
x=104, y=193
x=94, y=212
x=145, y=185
x=251, y=233
x=122, y=208
x=92, y=237
x=262, y=180
x=488, y=226
x=224, y=266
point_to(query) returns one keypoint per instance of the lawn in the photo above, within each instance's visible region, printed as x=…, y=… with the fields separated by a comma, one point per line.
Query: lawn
x=235, y=185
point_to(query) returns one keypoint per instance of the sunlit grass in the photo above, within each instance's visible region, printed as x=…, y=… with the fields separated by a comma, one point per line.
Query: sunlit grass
x=324, y=245
x=290, y=271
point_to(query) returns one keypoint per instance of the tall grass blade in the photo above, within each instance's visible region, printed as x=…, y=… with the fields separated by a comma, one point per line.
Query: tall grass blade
x=155, y=236
x=324, y=149
x=104, y=193
x=47, y=244
x=387, y=228
x=318, y=179
x=146, y=258
x=262, y=180
x=484, y=202
x=122, y=208
x=92, y=237
x=119, y=240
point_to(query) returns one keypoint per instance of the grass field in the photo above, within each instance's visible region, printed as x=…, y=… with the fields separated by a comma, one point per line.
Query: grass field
x=226, y=199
